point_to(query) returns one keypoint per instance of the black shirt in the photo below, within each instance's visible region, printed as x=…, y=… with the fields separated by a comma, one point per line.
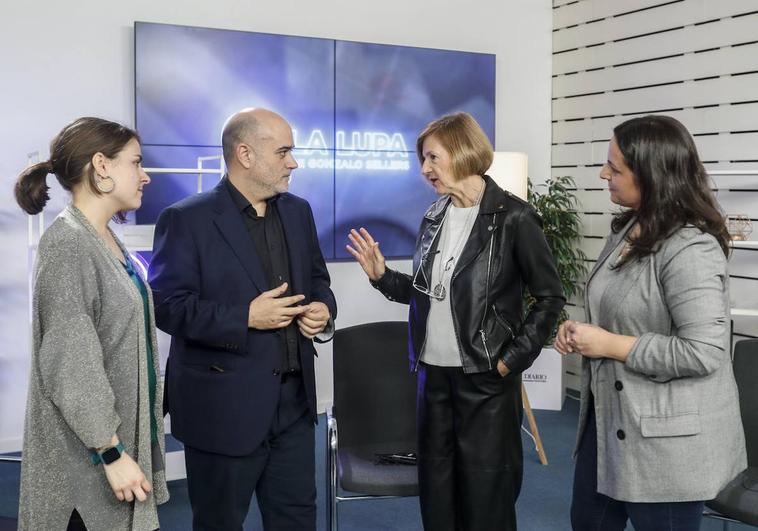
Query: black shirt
x=268, y=237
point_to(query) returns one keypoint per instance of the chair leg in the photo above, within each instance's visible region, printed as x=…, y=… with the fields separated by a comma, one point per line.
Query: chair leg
x=533, y=426
x=331, y=477
x=726, y=526
x=331, y=502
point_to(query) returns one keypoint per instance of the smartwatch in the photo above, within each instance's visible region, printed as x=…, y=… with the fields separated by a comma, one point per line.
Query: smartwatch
x=108, y=455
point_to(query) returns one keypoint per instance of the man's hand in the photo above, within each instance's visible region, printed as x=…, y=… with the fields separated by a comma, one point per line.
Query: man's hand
x=269, y=310
x=502, y=368
x=314, y=319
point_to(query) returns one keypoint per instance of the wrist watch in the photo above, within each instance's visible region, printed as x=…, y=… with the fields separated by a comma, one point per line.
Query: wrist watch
x=108, y=455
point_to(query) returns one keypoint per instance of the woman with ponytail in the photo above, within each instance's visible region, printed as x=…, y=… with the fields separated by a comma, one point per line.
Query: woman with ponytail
x=93, y=455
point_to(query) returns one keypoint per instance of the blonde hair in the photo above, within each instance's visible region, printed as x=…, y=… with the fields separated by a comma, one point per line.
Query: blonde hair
x=470, y=150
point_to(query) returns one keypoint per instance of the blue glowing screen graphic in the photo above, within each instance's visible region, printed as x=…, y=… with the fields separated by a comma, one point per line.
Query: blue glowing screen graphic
x=355, y=109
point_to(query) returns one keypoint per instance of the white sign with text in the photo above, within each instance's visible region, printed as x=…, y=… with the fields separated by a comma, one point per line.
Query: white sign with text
x=544, y=381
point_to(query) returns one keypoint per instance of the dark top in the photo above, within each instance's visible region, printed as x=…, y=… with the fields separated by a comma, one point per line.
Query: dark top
x=151, y=379
x=271, y=246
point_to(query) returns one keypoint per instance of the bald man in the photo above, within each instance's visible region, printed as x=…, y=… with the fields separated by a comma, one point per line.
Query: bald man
x=241, y=286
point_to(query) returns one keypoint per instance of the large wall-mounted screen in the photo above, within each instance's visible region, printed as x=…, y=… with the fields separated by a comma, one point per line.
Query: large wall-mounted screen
x=355, y=108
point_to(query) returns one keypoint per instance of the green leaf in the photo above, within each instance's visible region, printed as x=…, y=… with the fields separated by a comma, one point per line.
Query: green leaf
x=556, y=204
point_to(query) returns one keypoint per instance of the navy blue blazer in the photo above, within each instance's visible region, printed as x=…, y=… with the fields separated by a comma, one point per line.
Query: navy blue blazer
x=222, y=383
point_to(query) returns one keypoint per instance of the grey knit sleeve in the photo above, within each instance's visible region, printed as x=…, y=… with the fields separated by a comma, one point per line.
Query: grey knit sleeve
x=69, y=356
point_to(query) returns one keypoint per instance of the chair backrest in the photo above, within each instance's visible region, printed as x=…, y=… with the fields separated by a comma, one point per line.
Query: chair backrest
x=746, y=374
x=374, y=391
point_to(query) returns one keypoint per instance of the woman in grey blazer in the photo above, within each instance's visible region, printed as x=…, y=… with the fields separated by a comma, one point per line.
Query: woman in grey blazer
x=659, y=425
x=93, y=438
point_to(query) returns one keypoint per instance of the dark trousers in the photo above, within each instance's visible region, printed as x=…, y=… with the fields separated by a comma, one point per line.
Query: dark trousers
x=469, y=449
x=592, y=511
x=281, y=472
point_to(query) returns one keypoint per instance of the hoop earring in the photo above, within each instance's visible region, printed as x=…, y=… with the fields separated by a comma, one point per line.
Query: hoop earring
x=99, y=182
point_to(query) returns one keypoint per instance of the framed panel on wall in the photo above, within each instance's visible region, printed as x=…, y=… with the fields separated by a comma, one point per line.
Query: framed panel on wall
x=355, y=109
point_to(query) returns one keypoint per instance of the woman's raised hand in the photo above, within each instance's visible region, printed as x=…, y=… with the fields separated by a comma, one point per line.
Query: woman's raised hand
x=366, y=251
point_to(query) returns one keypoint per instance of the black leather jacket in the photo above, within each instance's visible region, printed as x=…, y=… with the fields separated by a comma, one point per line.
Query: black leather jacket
x=506, y=251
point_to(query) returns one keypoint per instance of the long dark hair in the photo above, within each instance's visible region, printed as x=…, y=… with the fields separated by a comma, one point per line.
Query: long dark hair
x=71, y=153
x=673, y=183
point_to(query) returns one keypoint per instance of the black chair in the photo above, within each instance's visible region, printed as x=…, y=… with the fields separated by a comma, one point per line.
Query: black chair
x=375, y=409
x=738, y=501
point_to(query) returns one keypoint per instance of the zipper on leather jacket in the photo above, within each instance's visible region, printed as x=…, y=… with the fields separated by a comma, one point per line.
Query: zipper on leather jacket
x=487, y=296
x=502, y=321
x=421, y=264
x=455, y=328
x=486, y=350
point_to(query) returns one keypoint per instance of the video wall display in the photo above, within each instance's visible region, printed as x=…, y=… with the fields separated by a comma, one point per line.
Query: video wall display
x=355, y=109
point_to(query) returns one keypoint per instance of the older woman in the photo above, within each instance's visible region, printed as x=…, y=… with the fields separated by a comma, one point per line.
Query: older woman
x=93, y=437
x=659, y=426
x=478, y=248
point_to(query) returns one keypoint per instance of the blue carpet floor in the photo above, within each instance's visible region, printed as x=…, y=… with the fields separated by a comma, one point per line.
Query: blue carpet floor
x=543, y=505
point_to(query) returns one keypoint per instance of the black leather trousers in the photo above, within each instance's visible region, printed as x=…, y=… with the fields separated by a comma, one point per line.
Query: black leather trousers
x=469, y=448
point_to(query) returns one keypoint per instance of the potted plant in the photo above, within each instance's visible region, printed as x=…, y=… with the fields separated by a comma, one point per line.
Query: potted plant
x=556, y=205
x=560, y=222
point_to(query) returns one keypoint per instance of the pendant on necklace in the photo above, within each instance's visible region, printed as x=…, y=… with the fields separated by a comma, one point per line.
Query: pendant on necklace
x=439, y=291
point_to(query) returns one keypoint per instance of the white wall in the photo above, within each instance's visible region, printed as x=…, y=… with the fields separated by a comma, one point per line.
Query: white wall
x=61, y=60
x=695, y=60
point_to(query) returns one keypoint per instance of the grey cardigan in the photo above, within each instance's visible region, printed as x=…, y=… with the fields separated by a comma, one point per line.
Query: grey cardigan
x=88, y=380
x=675, y=398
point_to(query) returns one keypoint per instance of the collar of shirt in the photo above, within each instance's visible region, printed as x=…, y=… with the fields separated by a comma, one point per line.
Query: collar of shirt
x=241, y=201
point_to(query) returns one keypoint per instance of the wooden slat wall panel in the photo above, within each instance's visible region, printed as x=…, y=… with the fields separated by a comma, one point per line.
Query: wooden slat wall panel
x=750, y=167
x=728, y=147
x=744, y=262
x=584, y=176
x=587, y=177
x=743, y=293
x=701, y=68
x=595, y=201
x=610, y=29
x=596, y=225
x=585, y=10
x=719, y=62
x=723, y=146
x=730, y=89
x=724, y=32
x=667, y=16
x=732, y=202
x=739, y=182
x=559, y=3
x=745, y=326
x=592, y=246
x=719, y=119
x=739, y=203
x=572, y=14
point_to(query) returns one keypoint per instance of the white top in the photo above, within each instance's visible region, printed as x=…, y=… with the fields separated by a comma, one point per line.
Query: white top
x=441, y=346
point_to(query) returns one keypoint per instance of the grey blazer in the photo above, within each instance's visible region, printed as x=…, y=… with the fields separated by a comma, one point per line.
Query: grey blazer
x=88, y=380
x=675, y=398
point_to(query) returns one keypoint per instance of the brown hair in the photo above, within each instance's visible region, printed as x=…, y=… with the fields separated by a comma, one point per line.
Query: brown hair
x=461, y=136
x=674, y=185
x=71, y=153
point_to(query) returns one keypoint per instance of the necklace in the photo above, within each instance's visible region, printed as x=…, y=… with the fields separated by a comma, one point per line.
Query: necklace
x=439, y=292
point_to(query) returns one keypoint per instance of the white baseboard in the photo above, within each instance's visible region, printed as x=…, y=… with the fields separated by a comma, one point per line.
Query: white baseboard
x=323, y=405
x=11, y=444
x=175, y=467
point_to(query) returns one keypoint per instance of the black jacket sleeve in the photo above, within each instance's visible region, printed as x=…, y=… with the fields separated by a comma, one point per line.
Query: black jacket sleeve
x=539, y=274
